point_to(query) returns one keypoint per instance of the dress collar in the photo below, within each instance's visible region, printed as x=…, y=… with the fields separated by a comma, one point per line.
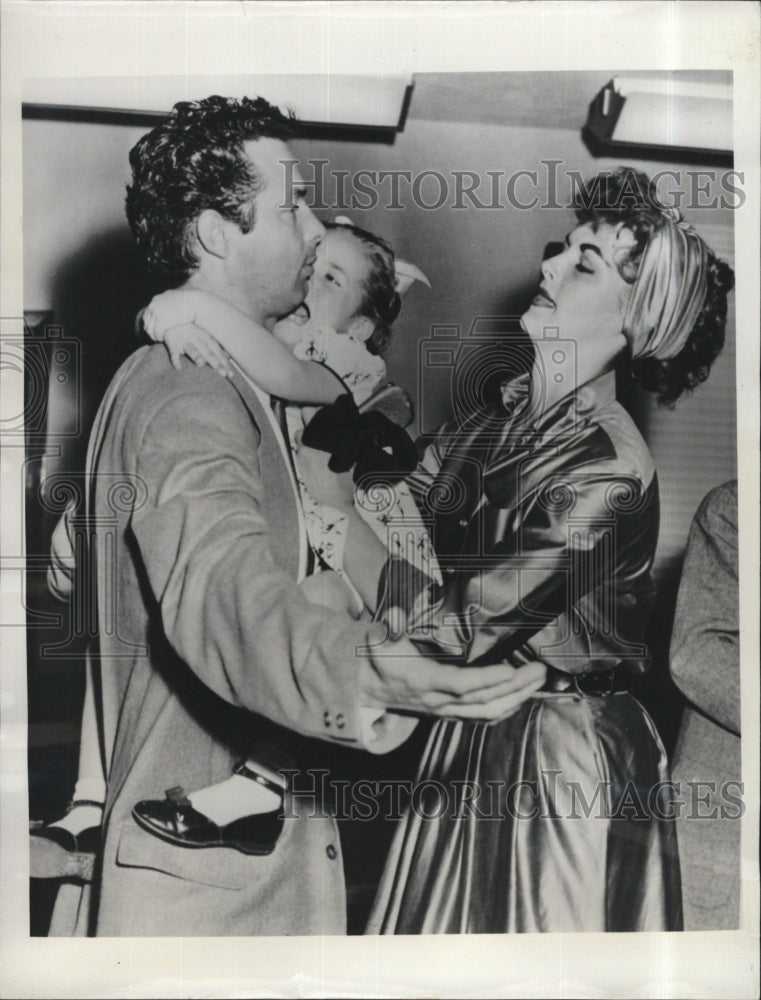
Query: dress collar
x=579, y=404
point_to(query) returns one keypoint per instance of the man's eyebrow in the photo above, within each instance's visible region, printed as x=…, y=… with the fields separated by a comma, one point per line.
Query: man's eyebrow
x=299, y=192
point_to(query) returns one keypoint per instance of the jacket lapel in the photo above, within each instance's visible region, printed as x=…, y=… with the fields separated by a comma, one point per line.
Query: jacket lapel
x=280, y=502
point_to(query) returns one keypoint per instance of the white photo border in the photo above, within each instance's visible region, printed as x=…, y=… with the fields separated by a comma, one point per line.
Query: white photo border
x=106, y=39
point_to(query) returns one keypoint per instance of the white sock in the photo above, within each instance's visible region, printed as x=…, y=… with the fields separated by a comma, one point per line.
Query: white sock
x=80, y=818
x=233, y=798
x=90, y=788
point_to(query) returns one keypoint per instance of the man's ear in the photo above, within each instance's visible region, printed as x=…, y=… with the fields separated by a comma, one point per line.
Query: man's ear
x=361, y=328
x=213, y=232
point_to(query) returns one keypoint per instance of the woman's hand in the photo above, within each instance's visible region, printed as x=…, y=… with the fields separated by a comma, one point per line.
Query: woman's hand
x=330, y=591
x=326, y=487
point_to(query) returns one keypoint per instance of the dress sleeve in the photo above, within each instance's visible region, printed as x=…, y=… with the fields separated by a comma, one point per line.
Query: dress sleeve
x=233, y=615
x=545, y=591
x=429, y=463
x=705, y=653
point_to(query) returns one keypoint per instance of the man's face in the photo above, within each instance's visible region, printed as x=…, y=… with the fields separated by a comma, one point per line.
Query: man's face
x=270, y=266
x=335, y=291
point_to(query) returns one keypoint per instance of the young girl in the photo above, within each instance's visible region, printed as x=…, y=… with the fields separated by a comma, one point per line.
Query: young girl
x=345, y=324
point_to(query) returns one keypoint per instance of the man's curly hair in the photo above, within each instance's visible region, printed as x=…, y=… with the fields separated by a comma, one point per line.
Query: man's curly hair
x=192, y=161
x=626, y=196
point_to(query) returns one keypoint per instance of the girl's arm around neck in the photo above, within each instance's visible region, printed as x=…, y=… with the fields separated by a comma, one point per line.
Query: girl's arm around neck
x=268, y=363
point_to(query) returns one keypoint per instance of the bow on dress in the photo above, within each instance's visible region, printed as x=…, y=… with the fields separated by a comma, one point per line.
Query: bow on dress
x=369, y=442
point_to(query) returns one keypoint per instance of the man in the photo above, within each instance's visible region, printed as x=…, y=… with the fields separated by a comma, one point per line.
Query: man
x=705, y=665
x=207, y=645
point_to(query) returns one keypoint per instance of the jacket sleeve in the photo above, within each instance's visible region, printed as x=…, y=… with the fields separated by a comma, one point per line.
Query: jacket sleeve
x=234, y=616
x=705, y=653
x=546, y=591
x=62, y=565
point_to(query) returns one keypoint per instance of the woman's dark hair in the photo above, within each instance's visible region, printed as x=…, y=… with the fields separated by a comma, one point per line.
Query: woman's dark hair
x=380, y=300
x=192, y=161
x=627, y=196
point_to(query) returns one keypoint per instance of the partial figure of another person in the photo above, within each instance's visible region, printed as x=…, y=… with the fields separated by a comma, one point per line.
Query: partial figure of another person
x=705, y=665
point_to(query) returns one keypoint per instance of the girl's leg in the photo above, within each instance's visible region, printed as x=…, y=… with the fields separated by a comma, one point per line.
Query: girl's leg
x=244, y=811
x=90, y=790
x=239, y=795
x=65, y=848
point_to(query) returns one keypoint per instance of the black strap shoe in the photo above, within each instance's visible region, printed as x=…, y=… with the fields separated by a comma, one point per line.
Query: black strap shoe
x=87, y=841
x=55, y=852
x=176, y=821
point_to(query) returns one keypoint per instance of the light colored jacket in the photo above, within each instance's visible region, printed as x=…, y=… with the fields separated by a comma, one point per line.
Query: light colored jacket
x=206, y=645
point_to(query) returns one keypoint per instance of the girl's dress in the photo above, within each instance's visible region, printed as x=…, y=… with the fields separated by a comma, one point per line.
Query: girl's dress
x=389, y=510
x=558, y=818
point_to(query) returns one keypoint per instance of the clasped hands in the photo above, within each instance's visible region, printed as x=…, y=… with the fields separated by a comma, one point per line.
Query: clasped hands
x=398, y=678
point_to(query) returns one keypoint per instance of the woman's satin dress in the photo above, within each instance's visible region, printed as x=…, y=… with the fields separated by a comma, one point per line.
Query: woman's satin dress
x=560, y=817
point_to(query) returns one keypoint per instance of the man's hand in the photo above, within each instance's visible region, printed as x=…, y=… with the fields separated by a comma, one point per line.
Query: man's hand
x=398, y=678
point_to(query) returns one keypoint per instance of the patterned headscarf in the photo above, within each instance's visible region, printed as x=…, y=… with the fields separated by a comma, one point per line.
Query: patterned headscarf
x=669, y=291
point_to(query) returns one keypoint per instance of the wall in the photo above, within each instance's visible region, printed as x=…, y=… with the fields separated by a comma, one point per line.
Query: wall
x=485, y=262
x=80, y=261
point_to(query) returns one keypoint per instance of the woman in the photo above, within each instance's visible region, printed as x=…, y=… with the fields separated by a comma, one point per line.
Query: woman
x=545, y=522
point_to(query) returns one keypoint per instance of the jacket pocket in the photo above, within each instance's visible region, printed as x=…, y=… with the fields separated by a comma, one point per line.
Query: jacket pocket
x=221, y=867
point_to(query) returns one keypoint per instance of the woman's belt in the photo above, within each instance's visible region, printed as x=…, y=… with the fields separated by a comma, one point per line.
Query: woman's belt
x=600, y=683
